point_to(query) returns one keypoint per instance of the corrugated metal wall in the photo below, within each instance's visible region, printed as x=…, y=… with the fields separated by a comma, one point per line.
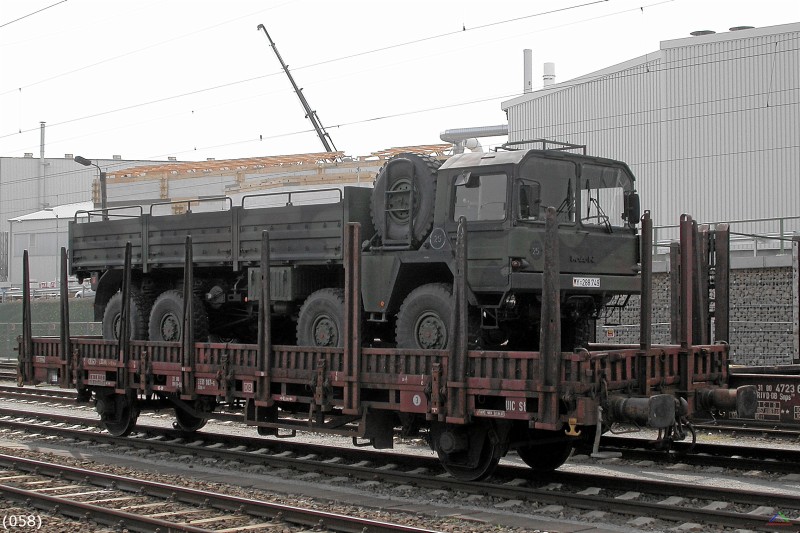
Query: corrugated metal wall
x=3, y=256
x=65, y=182
x=710, y=125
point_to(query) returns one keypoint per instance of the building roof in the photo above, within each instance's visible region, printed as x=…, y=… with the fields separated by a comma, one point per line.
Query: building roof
x=65, y=211
x=697, y=40
x=255, y=163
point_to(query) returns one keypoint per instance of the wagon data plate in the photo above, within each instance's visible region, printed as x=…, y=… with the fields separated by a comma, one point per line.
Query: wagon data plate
x=593, y=283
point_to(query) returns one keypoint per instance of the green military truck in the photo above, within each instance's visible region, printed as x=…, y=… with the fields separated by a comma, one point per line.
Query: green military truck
x=408, y=224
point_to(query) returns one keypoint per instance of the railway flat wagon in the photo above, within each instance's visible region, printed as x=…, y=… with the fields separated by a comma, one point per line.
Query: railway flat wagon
x=476, y=404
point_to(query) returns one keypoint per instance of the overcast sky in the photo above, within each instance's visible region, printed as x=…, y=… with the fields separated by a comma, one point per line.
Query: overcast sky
x=148, y=79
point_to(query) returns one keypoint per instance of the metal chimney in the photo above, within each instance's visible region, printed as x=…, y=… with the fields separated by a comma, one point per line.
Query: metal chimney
x=40, y=184
x=549, y=77
x=527, y=66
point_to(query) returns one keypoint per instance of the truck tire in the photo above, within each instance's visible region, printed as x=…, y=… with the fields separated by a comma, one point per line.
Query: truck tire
x=321, y=319
x=424, y=318
x=166, y=318
x=138, y=313
x=399, y=175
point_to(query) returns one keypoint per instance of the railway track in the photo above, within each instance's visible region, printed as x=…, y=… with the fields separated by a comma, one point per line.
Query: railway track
x=544, y=494
x=752, y=427
x=8, y=370
x=141, y=505
x=777, y=460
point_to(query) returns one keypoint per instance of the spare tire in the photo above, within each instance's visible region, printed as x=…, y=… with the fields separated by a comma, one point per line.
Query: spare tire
x=403, y=177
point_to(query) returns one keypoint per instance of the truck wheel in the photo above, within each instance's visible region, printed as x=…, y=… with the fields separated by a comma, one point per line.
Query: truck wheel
x=405, y=176
x=138, y=313
x=424, y=318
x=321, y=319
x=166, y=318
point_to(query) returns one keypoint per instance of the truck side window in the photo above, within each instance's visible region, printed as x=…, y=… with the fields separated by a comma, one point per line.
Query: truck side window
x=480, y=197
x=555, y=180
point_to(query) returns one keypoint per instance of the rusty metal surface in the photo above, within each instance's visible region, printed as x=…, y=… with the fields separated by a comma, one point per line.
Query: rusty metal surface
x=778, y=395
x=337, y=386
x=352, y=325
x=66, y=372
x=722, y=273
x=264, y=326
x=414, y=376
x=550, y=324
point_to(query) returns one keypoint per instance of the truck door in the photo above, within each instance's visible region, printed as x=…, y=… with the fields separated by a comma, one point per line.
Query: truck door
x=482, y=197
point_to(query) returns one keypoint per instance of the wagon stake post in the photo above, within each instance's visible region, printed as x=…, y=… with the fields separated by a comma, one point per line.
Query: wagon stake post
x=124, y=342
x=550, y=346
x=187, y=346
x=66, y=355
x=264, y=327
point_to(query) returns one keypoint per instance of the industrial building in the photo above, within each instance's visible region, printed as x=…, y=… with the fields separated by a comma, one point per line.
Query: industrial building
x=31, y=184
x=709, y=124
x=41, y=196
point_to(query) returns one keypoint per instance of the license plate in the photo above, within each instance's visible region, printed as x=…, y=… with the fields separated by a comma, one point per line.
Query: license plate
x=593, y=283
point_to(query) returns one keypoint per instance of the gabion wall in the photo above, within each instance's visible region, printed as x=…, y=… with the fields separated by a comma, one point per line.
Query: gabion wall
x=762, y=308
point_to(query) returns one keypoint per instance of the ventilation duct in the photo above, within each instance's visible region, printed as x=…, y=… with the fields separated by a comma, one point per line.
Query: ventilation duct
x=467, y=137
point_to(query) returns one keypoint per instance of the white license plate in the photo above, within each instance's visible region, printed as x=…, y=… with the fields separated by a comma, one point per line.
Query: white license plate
x=593, y=283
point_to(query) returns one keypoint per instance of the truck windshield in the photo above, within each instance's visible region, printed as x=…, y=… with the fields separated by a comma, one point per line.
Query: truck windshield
x=544, y=183
x=480, y=197
x=602, y=195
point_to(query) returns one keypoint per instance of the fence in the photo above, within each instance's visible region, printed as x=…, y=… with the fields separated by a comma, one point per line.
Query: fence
x=752, y=234
x=764, y=315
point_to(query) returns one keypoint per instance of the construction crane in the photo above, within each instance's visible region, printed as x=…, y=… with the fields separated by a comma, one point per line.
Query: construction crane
x=310, y=114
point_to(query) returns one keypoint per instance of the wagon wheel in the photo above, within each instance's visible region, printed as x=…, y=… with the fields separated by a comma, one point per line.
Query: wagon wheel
x=545, y=457
x=466, y=452
x=120, y=419
x=188, y=422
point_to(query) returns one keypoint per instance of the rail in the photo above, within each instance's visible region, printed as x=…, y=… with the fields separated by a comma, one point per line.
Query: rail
x=105, y=214
x=546, y=144
x=785, y=232
x=289, y=195
x=194, y=201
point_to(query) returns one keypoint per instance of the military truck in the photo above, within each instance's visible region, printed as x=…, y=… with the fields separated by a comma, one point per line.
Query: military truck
x=409, y=220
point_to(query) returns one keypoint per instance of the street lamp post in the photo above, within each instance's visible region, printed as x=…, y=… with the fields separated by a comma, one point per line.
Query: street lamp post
x=103, y=198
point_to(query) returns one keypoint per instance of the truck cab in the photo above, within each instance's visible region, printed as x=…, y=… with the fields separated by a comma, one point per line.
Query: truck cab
x=502, y=196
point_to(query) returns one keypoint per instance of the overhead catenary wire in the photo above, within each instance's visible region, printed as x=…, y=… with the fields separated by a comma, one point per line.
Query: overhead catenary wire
x=631, y=72
x=31, y=14
x=250, y=79
x=367, y=120
x=135, y=51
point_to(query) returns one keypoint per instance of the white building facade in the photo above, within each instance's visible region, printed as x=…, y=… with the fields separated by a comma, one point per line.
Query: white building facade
x=710, y=126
